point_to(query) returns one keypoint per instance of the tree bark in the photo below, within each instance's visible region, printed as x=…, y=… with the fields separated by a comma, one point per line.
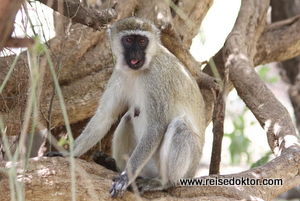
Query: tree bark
x=50, y=179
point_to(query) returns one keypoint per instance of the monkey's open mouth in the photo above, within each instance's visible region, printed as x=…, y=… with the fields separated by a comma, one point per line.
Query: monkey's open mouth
x=134, y=61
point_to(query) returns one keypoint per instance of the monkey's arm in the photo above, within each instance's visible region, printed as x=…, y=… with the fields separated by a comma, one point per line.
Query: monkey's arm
x=144, y=150
x=106, y=115
x=111, y=106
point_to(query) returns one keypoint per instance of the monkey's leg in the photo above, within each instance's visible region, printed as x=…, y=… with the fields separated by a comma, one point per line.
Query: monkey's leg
x=123, y=142
x=183, y=149
x=179, y=157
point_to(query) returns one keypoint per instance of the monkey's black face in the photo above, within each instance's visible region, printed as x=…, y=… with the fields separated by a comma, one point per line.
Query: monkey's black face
x=135, y=46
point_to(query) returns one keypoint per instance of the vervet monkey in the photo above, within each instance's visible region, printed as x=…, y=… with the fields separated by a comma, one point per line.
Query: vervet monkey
x=162, y=128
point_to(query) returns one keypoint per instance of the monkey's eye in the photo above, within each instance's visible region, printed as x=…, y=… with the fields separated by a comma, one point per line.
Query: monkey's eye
x=128, y=40
x=143, y=40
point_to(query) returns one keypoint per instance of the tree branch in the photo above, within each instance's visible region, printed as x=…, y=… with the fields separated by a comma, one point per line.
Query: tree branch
x=239, y=51
x=279, y=41
x=83, y=15
x=93, y=181
x=218, y=133
x=269, y=48
x=276, y=37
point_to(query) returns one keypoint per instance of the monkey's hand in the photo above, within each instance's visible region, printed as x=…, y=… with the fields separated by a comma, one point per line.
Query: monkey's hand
x=56, y=153
x=120, y=184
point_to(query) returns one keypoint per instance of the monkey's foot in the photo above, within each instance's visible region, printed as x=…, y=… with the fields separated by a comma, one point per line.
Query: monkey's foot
x=53, y=154
x=145, y=184
x=138, y=184
x=105, y=160
x=119, y=185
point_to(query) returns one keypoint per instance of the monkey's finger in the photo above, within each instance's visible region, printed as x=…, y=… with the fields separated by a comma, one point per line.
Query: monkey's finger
x=123, y=190
x=112, y=187
x=114, y=193
x=117, y=186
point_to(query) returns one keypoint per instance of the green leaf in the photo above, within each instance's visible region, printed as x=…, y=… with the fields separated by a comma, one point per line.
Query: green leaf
x=62, y=141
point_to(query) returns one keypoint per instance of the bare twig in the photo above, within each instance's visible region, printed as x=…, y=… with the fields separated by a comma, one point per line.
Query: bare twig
x=218, y=127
